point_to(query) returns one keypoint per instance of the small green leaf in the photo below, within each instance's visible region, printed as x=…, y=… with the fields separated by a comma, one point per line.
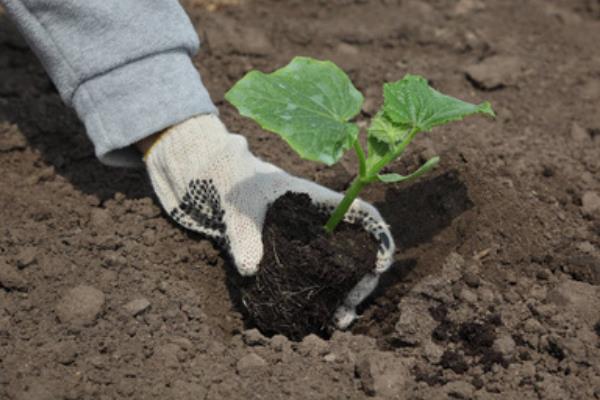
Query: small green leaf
x=393, y=178
x=376, y=151
x=308, y=103
x=412, y=102
x=385, y=130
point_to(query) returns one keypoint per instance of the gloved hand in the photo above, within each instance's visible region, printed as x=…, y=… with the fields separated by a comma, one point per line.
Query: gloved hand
x=209, y=182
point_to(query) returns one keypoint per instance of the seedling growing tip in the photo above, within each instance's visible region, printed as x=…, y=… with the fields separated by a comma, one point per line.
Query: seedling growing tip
x=310, y=104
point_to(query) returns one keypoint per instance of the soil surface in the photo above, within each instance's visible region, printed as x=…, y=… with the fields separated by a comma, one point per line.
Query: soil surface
x=494, y=293
x=306, y=273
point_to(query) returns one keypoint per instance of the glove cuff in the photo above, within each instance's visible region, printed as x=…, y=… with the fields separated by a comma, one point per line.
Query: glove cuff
x=207, y=126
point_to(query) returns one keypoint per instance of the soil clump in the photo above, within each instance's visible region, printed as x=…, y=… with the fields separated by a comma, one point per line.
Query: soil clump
x=305, y=273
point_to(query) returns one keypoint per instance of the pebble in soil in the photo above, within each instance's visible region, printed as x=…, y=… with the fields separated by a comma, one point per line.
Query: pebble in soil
x=305, y=273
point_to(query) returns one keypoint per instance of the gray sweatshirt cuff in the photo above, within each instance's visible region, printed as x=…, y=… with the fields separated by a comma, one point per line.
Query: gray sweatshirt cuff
x=138, y=99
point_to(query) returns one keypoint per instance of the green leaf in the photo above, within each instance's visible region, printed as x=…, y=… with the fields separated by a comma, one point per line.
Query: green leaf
x=308, y=103
x=393, y=178
x=385, y=130
x=376, y=151
x=411, y=102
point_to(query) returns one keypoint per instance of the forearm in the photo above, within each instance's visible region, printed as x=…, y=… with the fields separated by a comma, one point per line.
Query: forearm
x=124, y=65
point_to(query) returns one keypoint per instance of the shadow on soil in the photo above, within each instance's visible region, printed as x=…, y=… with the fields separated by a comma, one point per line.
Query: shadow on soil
x=417, y=214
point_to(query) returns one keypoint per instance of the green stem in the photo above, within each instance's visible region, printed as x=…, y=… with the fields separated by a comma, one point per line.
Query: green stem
x=340, y=211
x=364, y=178
x=362, y=159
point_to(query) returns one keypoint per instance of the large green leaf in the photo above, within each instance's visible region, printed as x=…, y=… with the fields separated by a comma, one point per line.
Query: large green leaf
x=308, y=103
x=411, y=102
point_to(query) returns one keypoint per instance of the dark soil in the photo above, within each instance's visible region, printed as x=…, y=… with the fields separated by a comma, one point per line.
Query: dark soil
x=473, y=338
x=305, y=273
x=101, y=297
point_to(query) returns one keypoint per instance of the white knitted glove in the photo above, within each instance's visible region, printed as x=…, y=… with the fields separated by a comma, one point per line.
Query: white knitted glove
x=209, y=182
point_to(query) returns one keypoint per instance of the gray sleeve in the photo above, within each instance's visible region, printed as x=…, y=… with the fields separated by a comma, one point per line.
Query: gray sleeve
x=124, y=65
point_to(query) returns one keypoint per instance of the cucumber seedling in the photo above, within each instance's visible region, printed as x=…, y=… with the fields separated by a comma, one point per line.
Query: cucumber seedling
x=310, y=104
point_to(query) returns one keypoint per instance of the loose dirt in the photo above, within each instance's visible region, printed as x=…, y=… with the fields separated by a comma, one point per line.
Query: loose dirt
x=494, y=293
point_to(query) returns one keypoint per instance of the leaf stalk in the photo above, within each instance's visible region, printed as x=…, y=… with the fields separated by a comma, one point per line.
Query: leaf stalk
x=365, y=177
